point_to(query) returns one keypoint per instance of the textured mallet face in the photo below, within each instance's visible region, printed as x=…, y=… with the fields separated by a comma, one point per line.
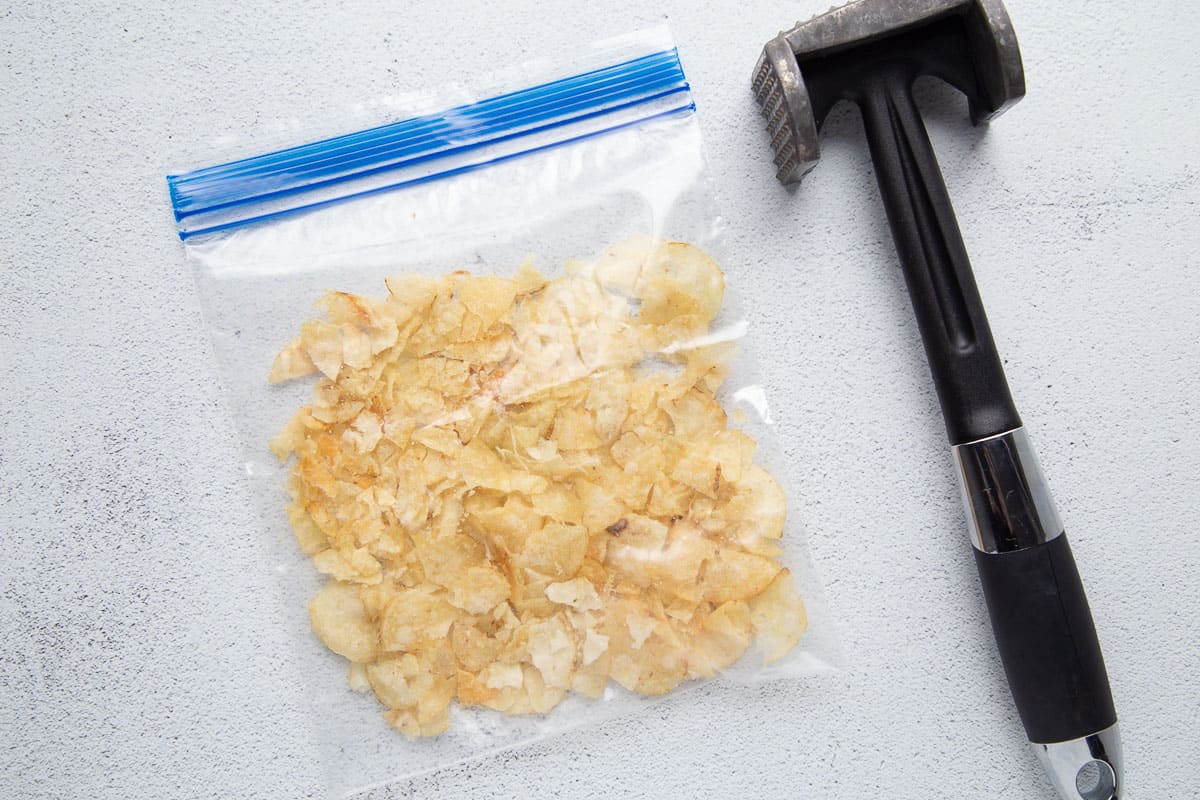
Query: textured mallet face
x=780, y=91
x=783, y=95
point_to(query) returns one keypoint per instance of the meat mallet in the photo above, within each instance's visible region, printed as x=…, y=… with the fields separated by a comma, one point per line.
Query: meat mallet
x=870, y=52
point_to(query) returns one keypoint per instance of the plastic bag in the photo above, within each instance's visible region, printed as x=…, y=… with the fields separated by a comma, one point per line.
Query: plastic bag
x=596, y=174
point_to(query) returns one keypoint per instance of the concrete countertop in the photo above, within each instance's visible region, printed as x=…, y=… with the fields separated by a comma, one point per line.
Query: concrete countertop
x=139, y=657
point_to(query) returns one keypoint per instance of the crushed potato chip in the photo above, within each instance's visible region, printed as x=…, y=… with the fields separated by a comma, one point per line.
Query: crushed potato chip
x=527, y=487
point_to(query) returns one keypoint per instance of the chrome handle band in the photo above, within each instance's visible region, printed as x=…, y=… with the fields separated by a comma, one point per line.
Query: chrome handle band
x=1005, y=494
x=1089, y=768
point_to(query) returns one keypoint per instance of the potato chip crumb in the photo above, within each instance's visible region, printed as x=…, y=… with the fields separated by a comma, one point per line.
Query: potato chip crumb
x=357, y=678
x=594, y=645
x=526, y=487
x=503, y=676
x=640, y=629
x=578, y=594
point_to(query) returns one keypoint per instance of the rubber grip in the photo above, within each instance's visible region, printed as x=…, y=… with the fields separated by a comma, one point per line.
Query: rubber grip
x=1047, y=641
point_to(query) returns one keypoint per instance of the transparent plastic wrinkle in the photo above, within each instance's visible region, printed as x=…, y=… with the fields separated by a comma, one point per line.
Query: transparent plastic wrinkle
x=259, y=283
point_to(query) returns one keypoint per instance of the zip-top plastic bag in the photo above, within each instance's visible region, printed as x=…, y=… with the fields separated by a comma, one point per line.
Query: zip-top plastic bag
x=491, y=380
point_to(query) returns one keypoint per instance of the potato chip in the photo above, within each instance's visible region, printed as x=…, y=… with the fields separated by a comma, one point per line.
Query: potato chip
x=479, y=589
x=543, y=695
x=594, y=646
x=309, y=536
x=552, y=649
x=686, y=283
x=734, y=575
x=414, y=617
x=293, y=361
x=340, y=621
x=715, y=461
x=723, y=638
x=556, y=549
x=474, y=650
x=578, y=593
x=779, y=617
x=622, y=266
x=322, y=342
x=759, y=502
x=592, y=676
x=527, y=487
x=487, y=298
x=357, y=678
x=351, y=564
x=393, y=680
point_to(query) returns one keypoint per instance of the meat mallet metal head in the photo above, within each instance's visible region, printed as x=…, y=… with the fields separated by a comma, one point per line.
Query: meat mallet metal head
x=796, y=89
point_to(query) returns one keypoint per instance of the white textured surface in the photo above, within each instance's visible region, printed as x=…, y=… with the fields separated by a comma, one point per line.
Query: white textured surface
x=137, y=656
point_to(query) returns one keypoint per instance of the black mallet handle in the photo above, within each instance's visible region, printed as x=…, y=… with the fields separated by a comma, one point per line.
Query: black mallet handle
x=970, y=381
x=1039, y=612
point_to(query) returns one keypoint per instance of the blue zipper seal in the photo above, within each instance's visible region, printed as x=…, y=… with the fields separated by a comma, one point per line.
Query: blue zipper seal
x=418, y=140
